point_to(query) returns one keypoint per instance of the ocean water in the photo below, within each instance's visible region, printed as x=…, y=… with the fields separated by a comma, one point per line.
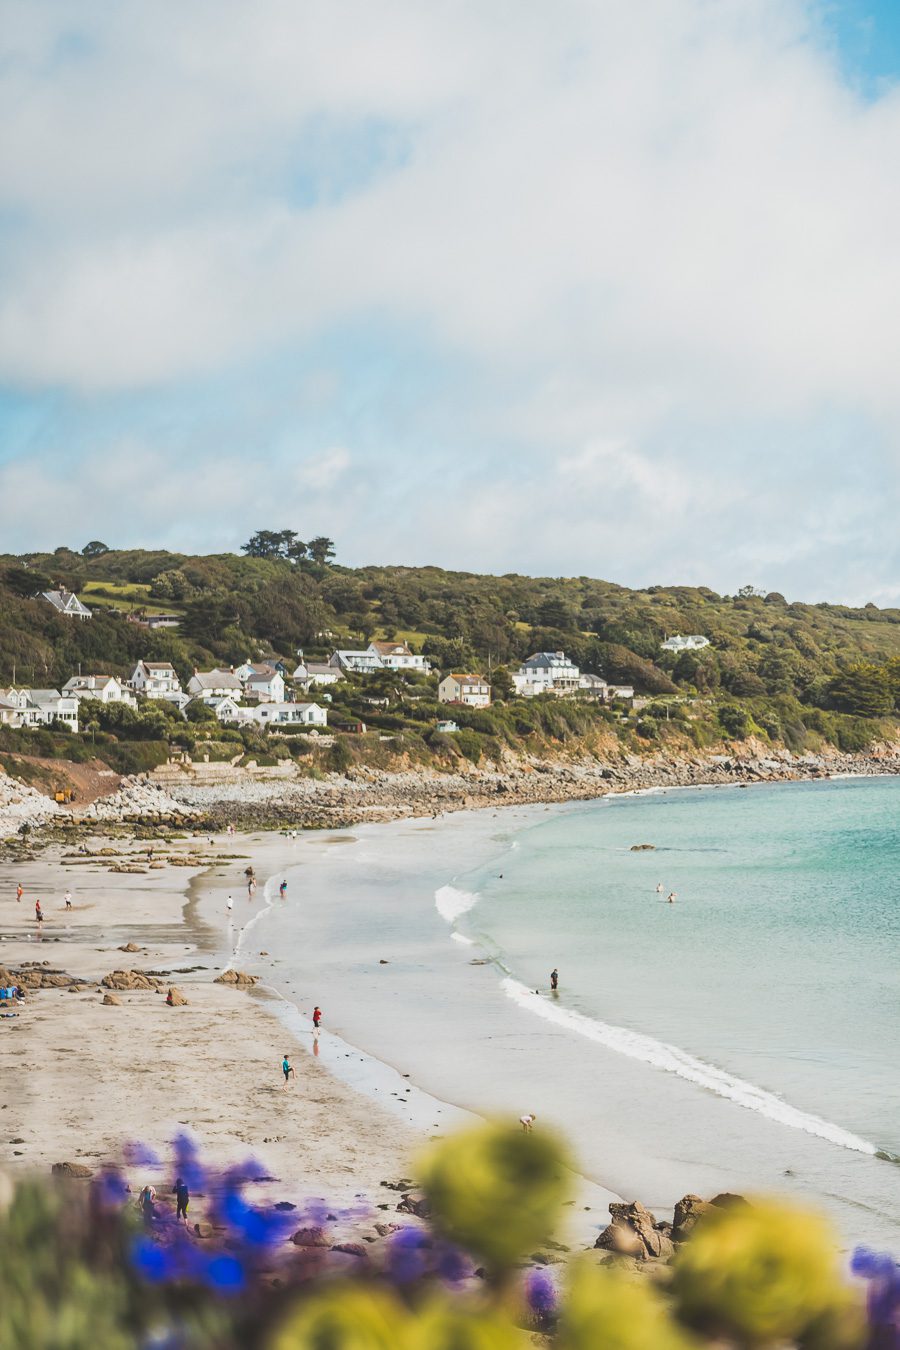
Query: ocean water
x=745, y=1037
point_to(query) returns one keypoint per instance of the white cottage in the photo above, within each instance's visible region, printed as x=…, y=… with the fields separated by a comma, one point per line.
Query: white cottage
x=398, y=656
x=546, y=672
x=64, y=602
x=103, y=688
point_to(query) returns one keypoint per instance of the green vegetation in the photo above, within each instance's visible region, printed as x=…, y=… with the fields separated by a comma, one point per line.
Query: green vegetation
x=80, y=1271
x=790, y=674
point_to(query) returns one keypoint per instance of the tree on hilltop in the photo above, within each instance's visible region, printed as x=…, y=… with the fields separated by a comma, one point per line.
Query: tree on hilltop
x=95, y=549
x=321, y=549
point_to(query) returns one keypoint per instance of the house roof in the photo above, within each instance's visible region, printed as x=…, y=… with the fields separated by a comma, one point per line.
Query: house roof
x=216, y=679
x=468, y=679
x=391, y=648
x=65, y=600
x=263, y=676
x=157, y=665
x=543, y=659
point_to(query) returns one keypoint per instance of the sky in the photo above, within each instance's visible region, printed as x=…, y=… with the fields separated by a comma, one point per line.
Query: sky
x=579, y=288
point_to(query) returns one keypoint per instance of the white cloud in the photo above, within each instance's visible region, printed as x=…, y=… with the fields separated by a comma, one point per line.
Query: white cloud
x=636, y=226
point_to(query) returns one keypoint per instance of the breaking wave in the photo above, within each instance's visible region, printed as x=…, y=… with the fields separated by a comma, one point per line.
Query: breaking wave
x=669, y=1058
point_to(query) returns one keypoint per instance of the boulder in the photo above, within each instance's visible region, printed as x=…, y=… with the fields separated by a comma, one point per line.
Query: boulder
x=350, y=1248
x=129, y=979
x=635, y=1232
x=415, y=1204
x=129, y=947
x=688, y=1210
x=236, y=977
x=311, y=1237
x=111, y=1001
x=620, y=1239
x=70, y=1169
x=175, y=998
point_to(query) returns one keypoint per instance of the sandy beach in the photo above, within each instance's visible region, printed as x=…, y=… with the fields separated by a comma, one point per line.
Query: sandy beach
x=82, y=1078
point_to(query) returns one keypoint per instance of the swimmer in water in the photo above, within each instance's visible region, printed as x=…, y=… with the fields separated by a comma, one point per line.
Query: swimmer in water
x=670, y=898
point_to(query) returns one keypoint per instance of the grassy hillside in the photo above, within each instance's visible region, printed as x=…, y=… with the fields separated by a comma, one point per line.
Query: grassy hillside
x=796, y=674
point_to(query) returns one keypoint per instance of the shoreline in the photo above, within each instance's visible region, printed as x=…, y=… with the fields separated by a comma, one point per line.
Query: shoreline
x=253, y=800
x=83, y=1077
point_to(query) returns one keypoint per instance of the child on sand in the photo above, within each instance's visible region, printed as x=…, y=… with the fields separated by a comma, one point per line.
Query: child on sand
x=68, y=899
x=182, y=1200
x=282, y=889
x=317, y=1017
x=19, y=891
x=287, y=1070
x=527, y=1121
x=38, y=912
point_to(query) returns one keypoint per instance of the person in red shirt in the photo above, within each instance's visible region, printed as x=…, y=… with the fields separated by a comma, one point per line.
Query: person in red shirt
x=317, y=1016
x=38, y=912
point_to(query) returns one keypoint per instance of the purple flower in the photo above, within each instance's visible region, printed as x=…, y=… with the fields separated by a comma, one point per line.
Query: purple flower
x=883, y=1274
x=137, y=1154
x=187, y=1162
x=408, y=1255
x=540, y=1292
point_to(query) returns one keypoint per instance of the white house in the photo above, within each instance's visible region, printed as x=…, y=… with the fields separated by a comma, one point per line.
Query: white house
x=472, y=690
x=446, y=727
x=288, y=714
x=685, y=644
x=359, y=663
x=155, y=679
x=10, y=713
x=209, y=684
x=397, y=656
x=546, y=672
x=103, y=688
x=266, y=686
x=64, y=602
x=624, y=691
x=309, y=674
x=44, y=706
x=592, y=684
x=226, y=709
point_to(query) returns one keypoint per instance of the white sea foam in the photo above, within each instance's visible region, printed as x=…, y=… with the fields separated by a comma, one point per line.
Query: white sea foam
x=461, y=937
x=452, y=903
x=669, y=1058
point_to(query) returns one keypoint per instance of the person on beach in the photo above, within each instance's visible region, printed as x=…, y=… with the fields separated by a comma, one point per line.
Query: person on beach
x=229, y=905
x=19, y=891
x=38, y=912
x=282, y=889
x=182, y=1200
x=527, y=1121
x=287, y=1070
x=670, y=898
x=146, y=1201
x=554, y=979
x=317, y=1017
x=251, y=887
x=68, y=899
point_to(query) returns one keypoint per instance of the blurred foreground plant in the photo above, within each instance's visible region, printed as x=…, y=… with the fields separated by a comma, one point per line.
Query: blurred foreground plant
x=79, y=1271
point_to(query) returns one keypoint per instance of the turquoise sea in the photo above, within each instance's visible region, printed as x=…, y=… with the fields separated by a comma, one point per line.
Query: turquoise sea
x=745, y=1037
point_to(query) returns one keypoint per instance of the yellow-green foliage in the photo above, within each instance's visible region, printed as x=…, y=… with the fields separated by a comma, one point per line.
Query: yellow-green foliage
x=497, y=1191
x=48, y=1296
x=446, y=1325
x=604, y=1308
x=762, y=1274
x=345, y=1318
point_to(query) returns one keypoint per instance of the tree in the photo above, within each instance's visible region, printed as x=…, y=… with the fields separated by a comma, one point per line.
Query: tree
x=502, y=683
x=95, y=549
x=862, y=690
x=265, y=544
x=734, y=721
x=321, y=549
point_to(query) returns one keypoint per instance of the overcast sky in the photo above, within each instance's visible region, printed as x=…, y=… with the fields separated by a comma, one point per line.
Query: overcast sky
x=581, y=287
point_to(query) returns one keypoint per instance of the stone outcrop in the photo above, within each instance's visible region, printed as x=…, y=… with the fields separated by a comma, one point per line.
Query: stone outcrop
x=70, y=1169
x=175, y=998
x=111, y=1001
x=32, y=976
x=129, y=979
x=236, y=977
x=635, y=1232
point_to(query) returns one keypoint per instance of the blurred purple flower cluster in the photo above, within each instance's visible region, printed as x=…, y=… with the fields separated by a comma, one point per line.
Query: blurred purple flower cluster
x=883, y=1275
